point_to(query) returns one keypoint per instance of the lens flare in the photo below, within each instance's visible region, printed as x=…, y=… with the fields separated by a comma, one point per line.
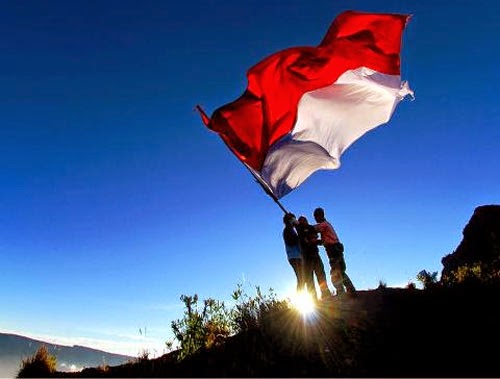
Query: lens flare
x=303, y=302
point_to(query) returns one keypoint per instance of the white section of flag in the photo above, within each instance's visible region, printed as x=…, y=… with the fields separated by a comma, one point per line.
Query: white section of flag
x=329, y=120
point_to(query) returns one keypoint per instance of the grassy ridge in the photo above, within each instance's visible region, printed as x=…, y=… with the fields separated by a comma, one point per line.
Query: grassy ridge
x=388, y=332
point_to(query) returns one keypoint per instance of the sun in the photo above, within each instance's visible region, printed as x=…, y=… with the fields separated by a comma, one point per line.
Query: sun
x=303, y=302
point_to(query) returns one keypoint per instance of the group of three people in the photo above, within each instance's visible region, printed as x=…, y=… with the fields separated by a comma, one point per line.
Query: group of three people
x=301, y=244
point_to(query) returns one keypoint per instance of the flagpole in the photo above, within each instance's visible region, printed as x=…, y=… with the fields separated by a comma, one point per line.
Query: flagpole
x=206, y=120
x=275, y=200
x=267, y=190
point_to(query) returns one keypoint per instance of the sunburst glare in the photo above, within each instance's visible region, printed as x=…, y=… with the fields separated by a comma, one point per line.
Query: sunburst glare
x=303, y=302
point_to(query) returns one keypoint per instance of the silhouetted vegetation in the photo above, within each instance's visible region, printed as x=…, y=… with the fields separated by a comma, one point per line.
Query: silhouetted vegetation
x=41, y=364
x=426, y=278
x=211, y=324
x=200, y=328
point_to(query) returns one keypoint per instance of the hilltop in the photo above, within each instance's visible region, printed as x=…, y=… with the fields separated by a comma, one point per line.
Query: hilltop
x=388, y=332
x=448, y=329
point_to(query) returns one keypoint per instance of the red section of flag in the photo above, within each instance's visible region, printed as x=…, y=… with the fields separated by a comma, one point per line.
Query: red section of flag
x=268, y=108
x=203, y=115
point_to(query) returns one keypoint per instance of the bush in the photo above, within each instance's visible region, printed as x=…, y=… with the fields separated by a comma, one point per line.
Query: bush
x=477, y=272
x=411, y=286
x=249, y=312
x=41, y=364
x=200, y=328
x=214, y=322
x=427, y=279
x=382, y=285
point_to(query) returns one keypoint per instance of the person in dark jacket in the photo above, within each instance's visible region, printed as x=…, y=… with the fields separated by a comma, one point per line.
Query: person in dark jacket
x=292, y=248
x=311, y=261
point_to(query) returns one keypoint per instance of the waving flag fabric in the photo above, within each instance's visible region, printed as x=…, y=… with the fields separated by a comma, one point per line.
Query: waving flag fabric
x=304, y=106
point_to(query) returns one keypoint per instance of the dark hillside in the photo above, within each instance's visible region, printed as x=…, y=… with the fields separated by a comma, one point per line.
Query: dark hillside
x=388, y=332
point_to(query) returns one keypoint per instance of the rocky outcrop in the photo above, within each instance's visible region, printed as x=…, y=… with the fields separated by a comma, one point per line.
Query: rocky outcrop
x=480, y=243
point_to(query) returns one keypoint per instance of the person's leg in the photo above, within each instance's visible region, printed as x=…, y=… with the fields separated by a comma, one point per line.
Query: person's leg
x=308, y=277
x=335, y=270
x=347, y=281
x=337, y=278
x=297, y=268
x=319, y=269
x=348, y=284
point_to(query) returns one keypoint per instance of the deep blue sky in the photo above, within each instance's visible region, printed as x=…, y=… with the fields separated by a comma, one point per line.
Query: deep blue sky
x=115, y=199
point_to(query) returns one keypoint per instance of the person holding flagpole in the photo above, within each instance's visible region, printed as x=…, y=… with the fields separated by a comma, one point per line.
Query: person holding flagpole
x=292, y=248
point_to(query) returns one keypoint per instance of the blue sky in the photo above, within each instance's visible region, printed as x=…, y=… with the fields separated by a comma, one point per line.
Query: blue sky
x=115, y=199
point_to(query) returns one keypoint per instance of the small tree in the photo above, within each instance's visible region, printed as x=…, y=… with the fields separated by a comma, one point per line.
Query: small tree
x=426, y=278
x=41, y=364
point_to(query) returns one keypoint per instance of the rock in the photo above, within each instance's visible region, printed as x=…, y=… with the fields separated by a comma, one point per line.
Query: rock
x=480, y=243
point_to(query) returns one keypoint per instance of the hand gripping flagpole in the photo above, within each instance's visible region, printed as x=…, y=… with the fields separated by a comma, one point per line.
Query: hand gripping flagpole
x=258, y=179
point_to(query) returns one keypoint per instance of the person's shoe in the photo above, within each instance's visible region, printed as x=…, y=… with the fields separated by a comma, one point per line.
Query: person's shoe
x=339, y=296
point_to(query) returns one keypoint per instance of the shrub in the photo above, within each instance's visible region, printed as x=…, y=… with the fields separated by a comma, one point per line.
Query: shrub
x=143, y=356
x=214, y=322
x=41, y=364
x=411, y=285
x=249, y=312
x=427, y=279
x=478, y=272
x=200, y=328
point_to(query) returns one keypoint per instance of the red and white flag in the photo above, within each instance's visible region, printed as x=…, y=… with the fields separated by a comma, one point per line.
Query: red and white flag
x=304, y=106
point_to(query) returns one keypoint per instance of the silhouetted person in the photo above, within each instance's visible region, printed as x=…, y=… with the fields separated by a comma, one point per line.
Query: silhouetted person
x=311, y=261
x=335, y=251
x=292, y=247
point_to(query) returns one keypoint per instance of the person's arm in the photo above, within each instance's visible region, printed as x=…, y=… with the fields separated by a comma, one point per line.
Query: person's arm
x=318, y=229
x=312, y=238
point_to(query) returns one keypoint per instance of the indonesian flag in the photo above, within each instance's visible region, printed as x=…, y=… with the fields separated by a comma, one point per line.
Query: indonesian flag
x=304, y=106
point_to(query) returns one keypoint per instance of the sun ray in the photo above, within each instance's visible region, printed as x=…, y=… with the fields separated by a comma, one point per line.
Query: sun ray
x=303, y=302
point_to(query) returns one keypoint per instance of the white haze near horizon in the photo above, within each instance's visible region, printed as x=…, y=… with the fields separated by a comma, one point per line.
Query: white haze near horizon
x=10, y=365
x=123, y=345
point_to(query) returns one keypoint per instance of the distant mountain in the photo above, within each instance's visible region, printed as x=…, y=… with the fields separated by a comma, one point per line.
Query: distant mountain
x=14, y=348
